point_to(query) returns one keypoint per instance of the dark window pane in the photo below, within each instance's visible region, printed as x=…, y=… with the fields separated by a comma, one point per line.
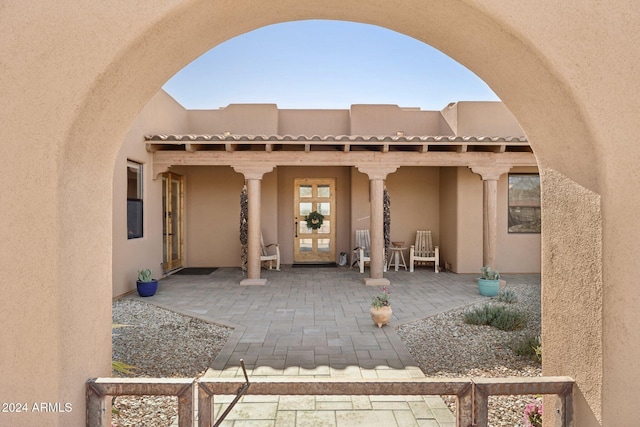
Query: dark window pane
x=134, y=200
x=134, y=219
x=524, y=203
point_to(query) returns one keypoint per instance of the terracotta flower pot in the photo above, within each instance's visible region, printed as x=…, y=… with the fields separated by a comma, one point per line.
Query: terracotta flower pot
x=381, y=316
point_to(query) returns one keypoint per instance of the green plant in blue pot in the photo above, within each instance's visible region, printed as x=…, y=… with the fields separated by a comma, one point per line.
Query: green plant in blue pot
x=146, y=285
x=489, y=282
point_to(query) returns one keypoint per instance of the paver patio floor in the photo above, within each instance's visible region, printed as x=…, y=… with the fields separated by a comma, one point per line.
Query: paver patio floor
x=315, y=322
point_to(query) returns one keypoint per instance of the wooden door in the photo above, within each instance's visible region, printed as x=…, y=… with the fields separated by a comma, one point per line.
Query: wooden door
x=172, y=206
x=315, y=245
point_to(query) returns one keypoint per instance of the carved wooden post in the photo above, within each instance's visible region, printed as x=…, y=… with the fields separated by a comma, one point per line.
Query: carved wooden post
x=253, y=176
x=490, y=176
x=377, y=175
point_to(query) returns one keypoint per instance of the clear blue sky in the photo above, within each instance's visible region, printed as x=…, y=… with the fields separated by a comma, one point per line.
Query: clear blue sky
x=325, y=64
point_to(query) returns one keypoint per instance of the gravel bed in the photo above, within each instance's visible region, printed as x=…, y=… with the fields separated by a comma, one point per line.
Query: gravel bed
x=444, y=346
x=160, y=343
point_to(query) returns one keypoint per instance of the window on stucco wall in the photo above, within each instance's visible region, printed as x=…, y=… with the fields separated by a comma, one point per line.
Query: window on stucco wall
x=524, y=203
x=134, y=200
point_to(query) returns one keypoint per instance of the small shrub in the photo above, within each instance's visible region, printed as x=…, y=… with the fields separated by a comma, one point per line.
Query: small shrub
x=481, y=315
x=509, y=320
x=529, y=347
x=508, y=296
x=497, y=316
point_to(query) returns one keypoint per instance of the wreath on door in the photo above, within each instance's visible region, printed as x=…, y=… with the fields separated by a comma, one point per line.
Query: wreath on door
x=314, y=220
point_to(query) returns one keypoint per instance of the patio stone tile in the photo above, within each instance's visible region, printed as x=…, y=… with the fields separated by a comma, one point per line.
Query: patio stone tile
x=443, y=415
x=361, y=402
x=286, y=419
x=253, y=423
x=365, y=418
x=334, y=406
x=421, y=410
x=405, y=419
x=253, y=411
x=316, y=419
x=297, y=403
x=318, y=370
x=390, y=405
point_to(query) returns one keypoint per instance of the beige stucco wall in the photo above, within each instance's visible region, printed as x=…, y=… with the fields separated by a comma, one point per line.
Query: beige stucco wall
x=161, y=115
x=448, y=216
x=81, y=72
x=414, y=195
x=213, y=216
x=314, y=122
x=468, y=213
x=481, y=118
x=389, y=119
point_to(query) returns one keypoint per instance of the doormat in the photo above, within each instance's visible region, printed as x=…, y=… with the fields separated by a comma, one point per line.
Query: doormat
x=309, y=265
x=196, y=271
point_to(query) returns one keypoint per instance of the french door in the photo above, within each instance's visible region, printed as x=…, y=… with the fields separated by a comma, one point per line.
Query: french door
x=172, y=210
x=315, y=244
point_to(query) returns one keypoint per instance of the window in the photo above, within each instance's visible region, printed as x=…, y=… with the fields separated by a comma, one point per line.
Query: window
x=524, y=203
x=134, y=200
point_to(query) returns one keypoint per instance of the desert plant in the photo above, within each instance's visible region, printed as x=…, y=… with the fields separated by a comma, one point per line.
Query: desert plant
x=145, y=275
x=497, y=316
x=381, y=300
x=529, y=347
x=508, y=296
x=537, y=348
x=489, y=274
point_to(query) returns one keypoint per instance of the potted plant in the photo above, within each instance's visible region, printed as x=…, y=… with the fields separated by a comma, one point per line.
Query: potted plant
x=147, y=286
x=381, y=308
x=489, y=282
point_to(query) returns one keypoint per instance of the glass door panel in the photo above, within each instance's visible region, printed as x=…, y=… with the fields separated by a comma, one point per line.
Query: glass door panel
x=172, y=206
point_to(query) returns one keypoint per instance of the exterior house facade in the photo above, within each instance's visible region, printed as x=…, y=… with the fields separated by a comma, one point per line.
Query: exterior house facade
x=78, y=74
x=194, y=165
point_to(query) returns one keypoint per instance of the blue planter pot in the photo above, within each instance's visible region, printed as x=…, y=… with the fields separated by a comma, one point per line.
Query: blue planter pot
x=488, y=288
x=147, y=289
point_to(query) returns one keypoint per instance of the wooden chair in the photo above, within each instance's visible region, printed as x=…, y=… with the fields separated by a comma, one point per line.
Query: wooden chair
x=362, y=251
x=423, y=251
x=265, y=257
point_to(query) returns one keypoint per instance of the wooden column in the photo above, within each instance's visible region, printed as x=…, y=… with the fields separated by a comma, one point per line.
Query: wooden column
x=490, y=176
x=253, y=176
x=377, y=175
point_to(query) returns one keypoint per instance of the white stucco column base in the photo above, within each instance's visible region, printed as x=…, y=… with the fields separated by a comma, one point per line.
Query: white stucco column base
x=370, y=281
x=253, y=282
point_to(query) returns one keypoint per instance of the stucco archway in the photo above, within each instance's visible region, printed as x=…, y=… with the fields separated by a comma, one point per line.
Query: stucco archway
x=111, y=61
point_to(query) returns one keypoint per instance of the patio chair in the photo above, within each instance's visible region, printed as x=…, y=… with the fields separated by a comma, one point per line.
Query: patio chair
x=361, y=252
x=423, y=251
x=266, y=257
